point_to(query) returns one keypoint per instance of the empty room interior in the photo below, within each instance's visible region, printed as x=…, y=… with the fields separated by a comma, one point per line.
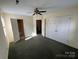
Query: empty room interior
x=38, y=29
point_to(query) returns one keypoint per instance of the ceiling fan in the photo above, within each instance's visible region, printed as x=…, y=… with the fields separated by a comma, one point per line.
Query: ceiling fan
x=36, y=11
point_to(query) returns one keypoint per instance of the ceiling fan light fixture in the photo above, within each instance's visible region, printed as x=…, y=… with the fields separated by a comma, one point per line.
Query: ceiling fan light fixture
x=17, y=2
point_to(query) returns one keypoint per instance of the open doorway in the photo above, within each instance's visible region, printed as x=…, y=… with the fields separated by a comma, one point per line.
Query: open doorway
x=21, y=29
x=39, y=26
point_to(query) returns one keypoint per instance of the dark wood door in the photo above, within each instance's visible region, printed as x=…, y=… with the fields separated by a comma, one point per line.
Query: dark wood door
x=21, y=29
x=39, y=26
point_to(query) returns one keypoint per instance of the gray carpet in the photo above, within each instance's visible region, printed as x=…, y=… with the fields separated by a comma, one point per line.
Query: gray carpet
x=40, y=47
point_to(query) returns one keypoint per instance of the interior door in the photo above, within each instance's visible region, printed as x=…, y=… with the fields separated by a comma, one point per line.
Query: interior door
x=39, y=26
x=21, y=29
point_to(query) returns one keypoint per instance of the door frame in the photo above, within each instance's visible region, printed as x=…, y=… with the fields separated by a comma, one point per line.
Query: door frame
x=43, y=27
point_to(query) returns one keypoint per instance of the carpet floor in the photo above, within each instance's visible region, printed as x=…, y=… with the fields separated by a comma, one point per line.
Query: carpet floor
x=40, y=47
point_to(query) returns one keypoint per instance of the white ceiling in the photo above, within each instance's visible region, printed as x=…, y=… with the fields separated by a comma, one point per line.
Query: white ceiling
x=26, y=7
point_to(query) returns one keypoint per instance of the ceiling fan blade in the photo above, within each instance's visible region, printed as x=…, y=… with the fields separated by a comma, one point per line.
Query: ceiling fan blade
x=42, y=11
x=39, y=13
x=34, y=14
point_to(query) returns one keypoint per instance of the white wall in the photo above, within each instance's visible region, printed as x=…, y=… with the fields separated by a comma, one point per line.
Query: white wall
x=59, y=28
x=3, y=43
x=28, y=25
x=9, y=33
x=62, y=26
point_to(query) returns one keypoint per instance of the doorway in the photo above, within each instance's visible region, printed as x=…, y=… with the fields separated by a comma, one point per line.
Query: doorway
x=21, y=29
x=38, y=26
